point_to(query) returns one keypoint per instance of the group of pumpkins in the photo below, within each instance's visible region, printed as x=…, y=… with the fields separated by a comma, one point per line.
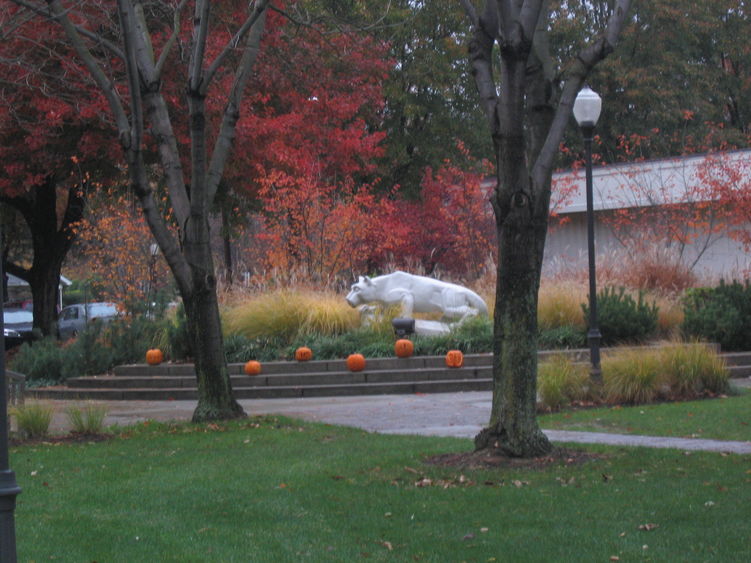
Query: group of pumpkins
x=403, y=348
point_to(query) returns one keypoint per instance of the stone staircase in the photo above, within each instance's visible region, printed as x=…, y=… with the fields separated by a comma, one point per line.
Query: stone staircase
x=317, y=378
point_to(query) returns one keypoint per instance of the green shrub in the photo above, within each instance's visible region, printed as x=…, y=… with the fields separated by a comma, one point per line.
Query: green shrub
x=622, y=319
x=561, y=382
x=88, y=354
x=32, y=421
x=88, y=419
x=363, y=340
x=40, y=361
x=129, y=339
x=239, y=348
x=562, y=337
x=721, y=314
x=474, y=336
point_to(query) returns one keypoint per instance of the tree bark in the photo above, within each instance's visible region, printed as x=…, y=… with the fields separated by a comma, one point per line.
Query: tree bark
x=52, y=238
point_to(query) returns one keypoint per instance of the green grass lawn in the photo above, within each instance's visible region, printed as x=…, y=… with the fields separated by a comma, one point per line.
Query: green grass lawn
x=273, y=489
x=727, y=418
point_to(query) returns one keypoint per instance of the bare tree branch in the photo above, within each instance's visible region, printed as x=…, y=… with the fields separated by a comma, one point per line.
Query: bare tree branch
x=231, y=115
x=574, y=80
x=173, y=38
x=258, y=10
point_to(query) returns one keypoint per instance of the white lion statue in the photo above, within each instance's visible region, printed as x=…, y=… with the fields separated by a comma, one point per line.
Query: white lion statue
x=417, y=294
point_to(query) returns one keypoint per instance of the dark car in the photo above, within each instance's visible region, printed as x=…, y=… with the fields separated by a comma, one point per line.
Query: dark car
x=19, y=327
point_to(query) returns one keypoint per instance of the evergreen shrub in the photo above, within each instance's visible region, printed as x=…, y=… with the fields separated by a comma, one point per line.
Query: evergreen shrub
x=720, y=314
x=40, y=361
x=622, y=319
x=562, y=337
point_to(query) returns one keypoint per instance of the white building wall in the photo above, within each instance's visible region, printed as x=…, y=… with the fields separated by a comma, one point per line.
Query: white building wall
x=639, y=185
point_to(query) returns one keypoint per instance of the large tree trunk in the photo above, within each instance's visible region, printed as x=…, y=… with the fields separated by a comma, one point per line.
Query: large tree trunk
x=527, y=114
x=52, y=238
x=513, y=427
x=215, y=397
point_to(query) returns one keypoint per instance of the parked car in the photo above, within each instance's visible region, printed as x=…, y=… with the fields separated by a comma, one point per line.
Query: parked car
x=19, y=327
x=75, y=318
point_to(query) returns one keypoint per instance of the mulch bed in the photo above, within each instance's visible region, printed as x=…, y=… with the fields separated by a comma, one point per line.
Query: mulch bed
x=71, y=438
x=490, y=459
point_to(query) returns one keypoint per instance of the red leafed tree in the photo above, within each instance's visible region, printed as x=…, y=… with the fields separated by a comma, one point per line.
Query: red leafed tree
x=451, y=226
x=306, y=152
x=52, y=151
x=727, y=182
x=672, y=211
x=173, y=75
x=324, y=232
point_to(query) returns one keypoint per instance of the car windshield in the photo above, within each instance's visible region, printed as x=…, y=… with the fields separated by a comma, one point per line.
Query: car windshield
x=18, y=316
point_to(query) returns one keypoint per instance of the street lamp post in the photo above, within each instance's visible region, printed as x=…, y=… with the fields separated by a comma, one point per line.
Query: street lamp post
x=8, y=487
x=153, y=253
x=587, y=111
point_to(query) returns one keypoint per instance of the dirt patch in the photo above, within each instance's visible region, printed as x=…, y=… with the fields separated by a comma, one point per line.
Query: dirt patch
x=71, y=438
x=491, y=459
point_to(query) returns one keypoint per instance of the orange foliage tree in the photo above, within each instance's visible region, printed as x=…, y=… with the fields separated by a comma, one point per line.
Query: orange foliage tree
x=324, y=231
x=116, y=248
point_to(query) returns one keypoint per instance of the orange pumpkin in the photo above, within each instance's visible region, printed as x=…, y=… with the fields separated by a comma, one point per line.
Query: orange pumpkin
x=454, y=359
x=404, y=348
x=303, y=354
x=252, y=367
x=355, y=362
x=154, y=357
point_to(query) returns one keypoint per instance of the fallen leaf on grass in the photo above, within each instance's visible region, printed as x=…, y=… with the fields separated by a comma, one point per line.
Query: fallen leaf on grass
x=411, y=470
x=387, y=545
x=648, y=527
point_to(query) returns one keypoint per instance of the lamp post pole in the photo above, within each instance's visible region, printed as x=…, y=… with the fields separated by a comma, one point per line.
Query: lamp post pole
x=587, y=111
x=8, y=487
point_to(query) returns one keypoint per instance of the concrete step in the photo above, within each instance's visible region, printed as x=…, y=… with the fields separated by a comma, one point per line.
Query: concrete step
x=313, y=366
x=269, y=392
x=282, y=380
x=316, y=378
x=737, y=358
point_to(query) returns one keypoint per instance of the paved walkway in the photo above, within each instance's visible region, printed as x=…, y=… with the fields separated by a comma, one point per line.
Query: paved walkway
x=441, y=414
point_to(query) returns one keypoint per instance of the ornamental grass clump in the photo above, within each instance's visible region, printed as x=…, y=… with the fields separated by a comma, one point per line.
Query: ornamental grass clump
x=86, y=420
x=632, y=376
x=559, y=305
x=561, y=382
x=32, y=421
x=693, y=369
x=288, y=314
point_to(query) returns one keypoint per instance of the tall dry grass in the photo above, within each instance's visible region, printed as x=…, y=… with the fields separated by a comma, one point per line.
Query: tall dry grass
x=561, y=382
x=559, y=304
x=673, y=370
x=288, y=313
